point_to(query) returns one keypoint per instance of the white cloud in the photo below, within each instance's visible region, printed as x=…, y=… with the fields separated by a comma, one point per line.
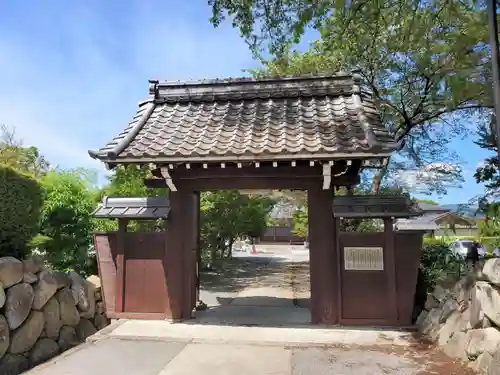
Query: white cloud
x=419, y=180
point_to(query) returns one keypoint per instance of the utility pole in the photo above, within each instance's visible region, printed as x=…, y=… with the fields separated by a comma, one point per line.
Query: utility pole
x=495, y=65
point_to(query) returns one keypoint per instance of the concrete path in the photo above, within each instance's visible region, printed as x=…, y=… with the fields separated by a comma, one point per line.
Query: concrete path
x=270, y=288
x=189, y=349
x=255, y=324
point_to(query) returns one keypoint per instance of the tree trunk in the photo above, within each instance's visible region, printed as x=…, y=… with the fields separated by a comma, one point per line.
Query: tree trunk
x=213, y=253
x=230, y=248
x=377, y=180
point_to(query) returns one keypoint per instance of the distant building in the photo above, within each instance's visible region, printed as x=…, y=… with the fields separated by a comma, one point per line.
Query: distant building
x=280, y=228
x=439, y=221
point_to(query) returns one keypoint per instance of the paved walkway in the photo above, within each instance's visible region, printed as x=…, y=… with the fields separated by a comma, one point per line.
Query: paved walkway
x=268, y=289
x=257, y=323
x=160, y=348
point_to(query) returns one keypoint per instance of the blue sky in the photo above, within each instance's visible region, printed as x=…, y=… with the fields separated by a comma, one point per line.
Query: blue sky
x=72, y=72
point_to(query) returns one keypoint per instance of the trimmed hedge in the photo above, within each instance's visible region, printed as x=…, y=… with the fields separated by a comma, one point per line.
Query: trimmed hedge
x=21, y=199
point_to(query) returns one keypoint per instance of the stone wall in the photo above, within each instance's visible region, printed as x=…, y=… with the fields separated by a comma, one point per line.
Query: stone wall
x=463, y=318
x=43, y=312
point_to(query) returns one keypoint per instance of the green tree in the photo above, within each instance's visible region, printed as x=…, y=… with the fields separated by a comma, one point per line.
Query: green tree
x=128, y=181
x=300, y=224
x=66, y=223
x=226, y=215
x=24, y=159
x=21, y=200
x=425, y=62
x=487, y=172
x=489, y=228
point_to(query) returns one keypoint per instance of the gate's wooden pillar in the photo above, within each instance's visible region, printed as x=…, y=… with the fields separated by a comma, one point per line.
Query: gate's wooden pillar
x=178, y=233
x=198, y=249
x=120, y=265
x=322, y=257
x=190, y=254
x=390, y=264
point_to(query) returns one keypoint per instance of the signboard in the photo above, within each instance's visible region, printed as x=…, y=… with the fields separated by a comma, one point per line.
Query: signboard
x=364, y=258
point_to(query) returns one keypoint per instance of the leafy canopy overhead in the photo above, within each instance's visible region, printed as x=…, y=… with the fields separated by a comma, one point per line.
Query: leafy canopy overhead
x=487, y=172
x=426, y=62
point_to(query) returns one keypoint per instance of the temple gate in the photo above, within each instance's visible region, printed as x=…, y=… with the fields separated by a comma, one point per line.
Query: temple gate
x=305, y=133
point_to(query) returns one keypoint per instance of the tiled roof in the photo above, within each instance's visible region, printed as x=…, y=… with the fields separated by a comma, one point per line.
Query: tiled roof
x=431, y=221
x=283, y=210
x=432, y=207
x=425, y=222
x=245, y=119
x=133, y=208
x=374, y=206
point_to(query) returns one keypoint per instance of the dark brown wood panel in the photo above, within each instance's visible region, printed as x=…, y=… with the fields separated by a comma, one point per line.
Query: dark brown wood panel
x=365, y=295
x=175, y=268
x=105, y=245
x=408, y=248
x=144, y=274
x=264, y=177
x=322, y=257
x=120, y=265
x=191, y=211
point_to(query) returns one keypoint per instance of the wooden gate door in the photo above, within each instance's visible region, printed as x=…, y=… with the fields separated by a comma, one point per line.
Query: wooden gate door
x=365, y=283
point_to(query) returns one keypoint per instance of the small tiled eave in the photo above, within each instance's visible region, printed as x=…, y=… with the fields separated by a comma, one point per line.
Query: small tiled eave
x=374, y=206
x=375, y=148
x=147, y=208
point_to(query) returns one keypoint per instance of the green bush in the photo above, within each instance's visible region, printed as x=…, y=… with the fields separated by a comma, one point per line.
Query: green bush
x=490, y=243
x=65, y=237
x=21, y=199
x=437, y=263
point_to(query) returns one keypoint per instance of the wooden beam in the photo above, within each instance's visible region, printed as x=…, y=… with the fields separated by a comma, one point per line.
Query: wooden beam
x=249, y=172
x=120, y=266
x=246, y=183
x=175, y=236
x=300, y=177
x=322, y=257
x=390, y=263
x=294, y=169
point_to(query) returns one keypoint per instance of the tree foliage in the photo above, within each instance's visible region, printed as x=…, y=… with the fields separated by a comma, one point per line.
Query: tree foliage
x=66, y=223
x=427, y=64
x=300, y=224
x=437, y=263
x=21, y=199
x=24, y=159
x=490, y=226
x=226, y=215
x=128, y=181
x=488, y=171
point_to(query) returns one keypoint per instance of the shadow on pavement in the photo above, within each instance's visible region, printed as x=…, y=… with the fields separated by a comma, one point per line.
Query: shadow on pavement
x=236, y=274
x=259, y=311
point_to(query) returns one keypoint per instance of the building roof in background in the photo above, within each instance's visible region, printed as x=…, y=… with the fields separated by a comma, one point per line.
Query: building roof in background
x=432, y=207
x=283, y=210
x=374, y=206
x=227, y=120
x=151, y=208
x=432, y=221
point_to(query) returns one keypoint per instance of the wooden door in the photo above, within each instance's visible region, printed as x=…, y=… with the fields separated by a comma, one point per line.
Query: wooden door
x=365, y=280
